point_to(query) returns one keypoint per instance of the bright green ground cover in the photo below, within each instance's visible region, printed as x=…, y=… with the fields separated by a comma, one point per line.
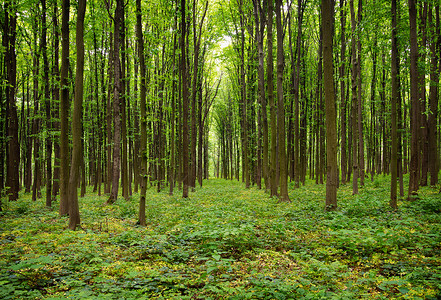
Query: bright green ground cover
x=226, y=242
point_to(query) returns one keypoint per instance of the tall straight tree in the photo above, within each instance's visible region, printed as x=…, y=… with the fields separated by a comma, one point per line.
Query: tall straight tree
x=281, y=107
x=359, y=98
x=185, y=164
x=243, y=97
x=47, y=102
x=259, y=18
x=74, y=212
x=10, y=24
x=342, y=73
x=116, y=165
x=414, y=102
x=433, y=97
x=270, y=87
x=354, y=110
x=143, y=144
x=330, y=106
x=394, y=88
x=56, y=97
x=64, y=110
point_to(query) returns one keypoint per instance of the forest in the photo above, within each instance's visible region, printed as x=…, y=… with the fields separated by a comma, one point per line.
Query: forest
x=224, y=149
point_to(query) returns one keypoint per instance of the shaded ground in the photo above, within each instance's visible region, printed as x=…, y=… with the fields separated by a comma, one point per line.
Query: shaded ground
x=225, y=242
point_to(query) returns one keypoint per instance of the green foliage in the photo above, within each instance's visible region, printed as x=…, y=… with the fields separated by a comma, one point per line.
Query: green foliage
x=226, y=243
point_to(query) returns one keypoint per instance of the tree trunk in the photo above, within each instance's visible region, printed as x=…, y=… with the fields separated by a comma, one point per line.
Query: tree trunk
x=56, y=97
x=185, y=164
x=361, y=166
x=342, y=73
x=270, y=86
x=47, y=102
x=13, y=152
x=433, y=99
x=330, y=106
x=414, y=102
x=394, y=99
x=123, y=100
x=117, y=89
x=64, y=110
x=281, y=107
x=74, y=212
x=143, y=143
x=354, y=112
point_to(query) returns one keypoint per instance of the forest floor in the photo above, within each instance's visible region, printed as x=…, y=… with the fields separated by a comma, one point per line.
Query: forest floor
x=226, y=242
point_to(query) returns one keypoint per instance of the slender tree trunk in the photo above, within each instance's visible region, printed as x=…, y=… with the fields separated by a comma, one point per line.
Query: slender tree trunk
x=142, y=103
x=47, y=102
x=117, y=89
x=260, y=30
x=281, y=107
x=185, y=164
x=433, y=98
x=243, y=98
x=423, y=132
x=361, y=167
x=109, y=116
x=36, y=122
x=330, y=106
x=64, y=110
x=414, y=102
x=56, y=97
x=123, y=111
x=354, y=116
x=13, y=152
x=395, y=91
x=342, y=71
x=270, y=87
x=74, y=212
x=172, y=168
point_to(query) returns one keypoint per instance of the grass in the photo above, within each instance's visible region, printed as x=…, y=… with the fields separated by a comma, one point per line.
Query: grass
x=225, y=242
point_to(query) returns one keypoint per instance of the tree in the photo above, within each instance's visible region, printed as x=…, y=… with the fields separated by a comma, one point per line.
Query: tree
x=117, y=22
x=330, y=106
x=281, y=108
x=64, y=110
x=143, y=143
x=354, y=113
x=394, y=99
x=270, y=87
x=435, y=46
x=185, y=164
x=13, y=153
x=47, y=102
x=414, y=118
x=74, y=212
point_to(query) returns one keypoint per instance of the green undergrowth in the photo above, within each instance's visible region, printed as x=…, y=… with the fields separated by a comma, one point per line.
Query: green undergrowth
x=226, y=242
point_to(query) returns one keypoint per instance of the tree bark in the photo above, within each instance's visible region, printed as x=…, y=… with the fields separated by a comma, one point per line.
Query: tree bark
x=281, y=108
x=414, y=102
x=64, y=110
x=12, y=118
x=330, y=106
x=119, y=11
x=342, y=71
x=185, y=164
x=394, y=99
x=433, y=98
x=74, y=212
x=56, y=97
x=143, y=143
x=354, y=103
x=270, y=87
x=47, y=102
